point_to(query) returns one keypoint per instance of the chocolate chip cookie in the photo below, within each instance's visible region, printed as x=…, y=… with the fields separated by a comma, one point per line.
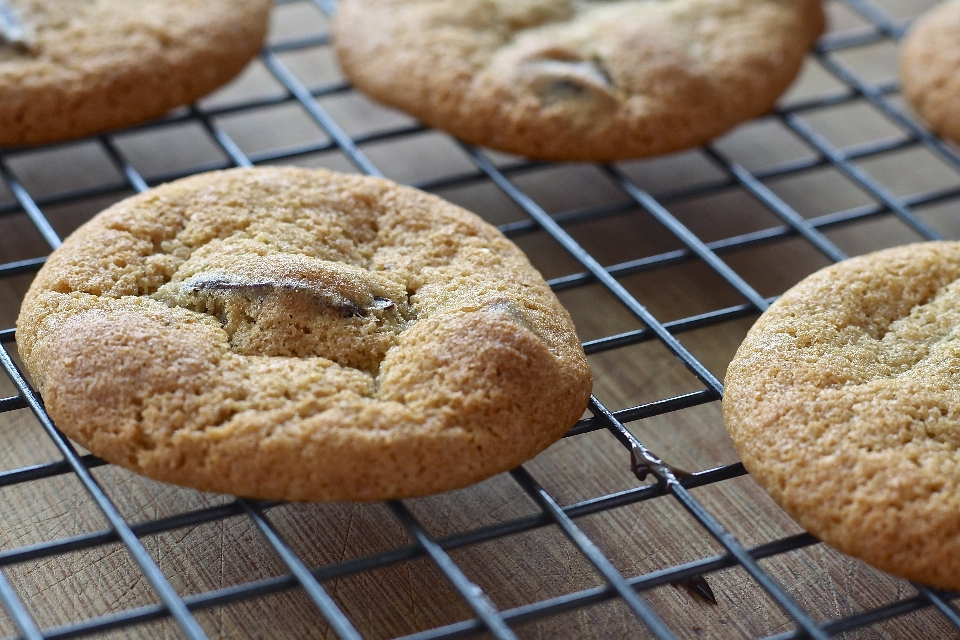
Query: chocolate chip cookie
x=301, y=335
x=844, y=403
x=577, y=79
x=73, y=68
x=930, y=69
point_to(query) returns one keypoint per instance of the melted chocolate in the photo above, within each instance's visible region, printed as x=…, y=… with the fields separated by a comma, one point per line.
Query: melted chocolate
x=564, y=88
x=643, y=464
x=341, y=306
x=699, y=588
x=382, y=303
x=561, y=77
x=601, y=68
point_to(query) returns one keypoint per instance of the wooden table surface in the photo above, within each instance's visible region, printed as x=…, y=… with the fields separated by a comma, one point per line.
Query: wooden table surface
x=524, y=568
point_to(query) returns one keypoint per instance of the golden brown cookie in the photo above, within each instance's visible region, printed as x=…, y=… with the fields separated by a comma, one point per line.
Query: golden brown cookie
x=301, y=335
x=577, y=79
x=70, y=68
x=930, y=68
x=844, y=403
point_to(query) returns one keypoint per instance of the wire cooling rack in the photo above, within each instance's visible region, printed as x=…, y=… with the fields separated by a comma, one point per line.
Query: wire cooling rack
x=663, y=263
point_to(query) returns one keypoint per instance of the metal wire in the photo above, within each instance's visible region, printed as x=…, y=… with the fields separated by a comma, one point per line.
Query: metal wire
x=630, y=590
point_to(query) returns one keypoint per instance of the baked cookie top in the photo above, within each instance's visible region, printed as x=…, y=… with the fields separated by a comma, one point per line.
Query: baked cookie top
x=577, y=79
x=301, y=335
x=76, y=67
x=844, y=404
x=930, y=68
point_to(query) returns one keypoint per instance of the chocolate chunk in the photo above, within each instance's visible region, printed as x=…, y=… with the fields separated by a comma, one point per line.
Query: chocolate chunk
x=699, y=588
x=223, y=284
x=12, y=33
x=562, y=89
x=332, y=301
x=601, y=68
x=382, y=303
x=558, y=79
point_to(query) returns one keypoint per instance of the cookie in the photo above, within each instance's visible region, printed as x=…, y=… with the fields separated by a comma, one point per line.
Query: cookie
x=574, y=79
x=298, y=334
x=844, y=404
x=71, y=69
x=930, y=69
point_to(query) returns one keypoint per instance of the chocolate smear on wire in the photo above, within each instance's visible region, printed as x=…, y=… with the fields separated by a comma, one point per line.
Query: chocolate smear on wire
x=643, y=464
x=699, y=588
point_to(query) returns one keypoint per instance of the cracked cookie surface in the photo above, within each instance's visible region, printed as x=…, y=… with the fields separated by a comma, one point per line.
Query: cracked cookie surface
x=301, y=335
x=844, y=404
x=577, y=79
x=74, y=68
x=930, y=68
